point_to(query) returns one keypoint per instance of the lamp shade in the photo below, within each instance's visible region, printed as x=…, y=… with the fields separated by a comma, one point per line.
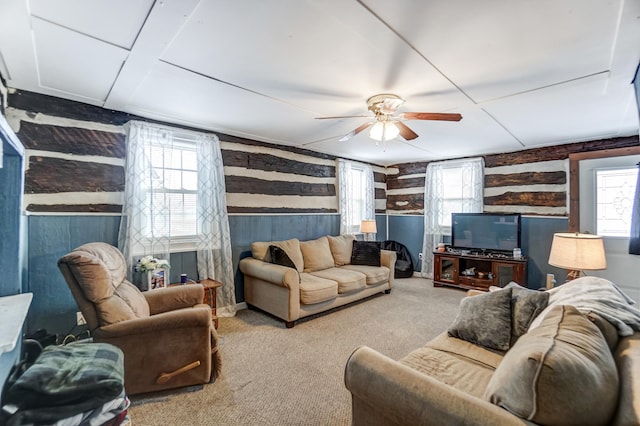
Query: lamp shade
x=386, y=128
x=577, y=251
x=368, y=226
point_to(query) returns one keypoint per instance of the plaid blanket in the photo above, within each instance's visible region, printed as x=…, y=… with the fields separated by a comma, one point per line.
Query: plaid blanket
x=66, y=380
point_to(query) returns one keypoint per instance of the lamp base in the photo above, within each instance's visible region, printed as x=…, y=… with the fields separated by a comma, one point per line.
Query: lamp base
x=573, y=274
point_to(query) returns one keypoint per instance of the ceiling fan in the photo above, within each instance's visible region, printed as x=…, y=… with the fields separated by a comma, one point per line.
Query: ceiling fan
x=386, y=125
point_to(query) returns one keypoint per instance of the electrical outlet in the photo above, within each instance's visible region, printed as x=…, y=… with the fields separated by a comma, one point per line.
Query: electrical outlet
x=420, y=255
x=80, y=319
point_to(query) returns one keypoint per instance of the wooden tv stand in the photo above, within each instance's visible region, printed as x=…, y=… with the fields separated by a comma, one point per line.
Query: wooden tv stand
x=449, y=270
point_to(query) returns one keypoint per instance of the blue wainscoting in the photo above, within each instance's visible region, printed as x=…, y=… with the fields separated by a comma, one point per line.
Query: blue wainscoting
x=49, y=238
x=537, y=234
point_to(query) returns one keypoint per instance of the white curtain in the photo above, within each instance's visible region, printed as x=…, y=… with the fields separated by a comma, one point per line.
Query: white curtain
x=212, y=241
x=135, y=239
x=442, y=197
x=214, y=238
x=357, y=197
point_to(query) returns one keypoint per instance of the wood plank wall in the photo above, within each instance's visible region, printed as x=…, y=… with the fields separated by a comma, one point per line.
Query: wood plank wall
x=531, y=182
x=75, y=164
x=75, y=159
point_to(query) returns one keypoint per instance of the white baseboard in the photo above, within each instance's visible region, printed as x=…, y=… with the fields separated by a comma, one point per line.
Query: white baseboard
x=241, y=305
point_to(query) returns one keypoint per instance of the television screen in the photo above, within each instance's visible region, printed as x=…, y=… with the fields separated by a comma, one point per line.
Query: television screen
x=485, y=231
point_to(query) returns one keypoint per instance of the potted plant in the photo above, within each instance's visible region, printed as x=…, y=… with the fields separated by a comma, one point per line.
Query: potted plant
x=155, y=271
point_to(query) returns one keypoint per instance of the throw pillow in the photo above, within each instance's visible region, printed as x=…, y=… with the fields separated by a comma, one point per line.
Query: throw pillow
x=316, y=254
x=525, y=307
x=280, y=257
x=341, y=248
x=260, y=251
x=485, y=320
x=561, y=372
x=365, y=253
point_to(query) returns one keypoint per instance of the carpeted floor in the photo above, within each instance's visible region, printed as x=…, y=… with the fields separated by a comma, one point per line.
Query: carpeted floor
x=277, y=376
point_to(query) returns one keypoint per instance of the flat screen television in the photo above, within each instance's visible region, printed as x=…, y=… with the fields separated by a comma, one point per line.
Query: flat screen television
x=486, y=232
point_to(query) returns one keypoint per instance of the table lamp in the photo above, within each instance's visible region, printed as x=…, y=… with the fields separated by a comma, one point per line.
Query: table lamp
x=368, y=227
x=577, y=252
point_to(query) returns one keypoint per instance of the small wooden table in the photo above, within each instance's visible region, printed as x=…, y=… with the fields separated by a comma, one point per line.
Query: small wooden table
x=210, y=287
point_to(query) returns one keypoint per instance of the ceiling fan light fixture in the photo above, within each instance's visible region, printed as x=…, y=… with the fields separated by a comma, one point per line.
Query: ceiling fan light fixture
x=384, y=128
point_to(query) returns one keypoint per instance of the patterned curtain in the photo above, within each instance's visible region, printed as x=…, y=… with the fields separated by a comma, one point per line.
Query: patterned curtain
x=213, y=242
x=634, y=240
x=352, y=213
x=214, y=237
x=134, y=240
x=471, y=171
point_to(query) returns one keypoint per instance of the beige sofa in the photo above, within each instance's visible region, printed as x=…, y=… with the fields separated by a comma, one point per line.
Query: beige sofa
x=321, y=276
x=571, y=367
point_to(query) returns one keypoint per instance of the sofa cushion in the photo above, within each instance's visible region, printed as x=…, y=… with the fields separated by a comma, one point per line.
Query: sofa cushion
x=526, y=305
x=458, y=371
x=485, y=320
x=375, y=274
x=316, y=254
x=347, y=280
x=341, y=248
x=365, y=253
x=260, y=251
x=316, y=289
x=561, y=372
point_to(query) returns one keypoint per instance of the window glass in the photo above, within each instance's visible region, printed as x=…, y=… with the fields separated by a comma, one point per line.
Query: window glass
x=452, y=198
x=615, y=190
x=357, y=197
x=173, y=196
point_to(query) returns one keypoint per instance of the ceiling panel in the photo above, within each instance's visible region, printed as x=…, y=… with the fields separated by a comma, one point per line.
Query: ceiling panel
x=91, y=75
x=507, y=47
x=591, y=108
x=116, y=21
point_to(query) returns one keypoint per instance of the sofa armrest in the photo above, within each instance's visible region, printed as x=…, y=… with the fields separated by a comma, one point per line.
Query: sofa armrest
x=627, y=357
x=172, y=298
x=270, y=272
x=388, y=259
x=199, y=316
x=395, y=394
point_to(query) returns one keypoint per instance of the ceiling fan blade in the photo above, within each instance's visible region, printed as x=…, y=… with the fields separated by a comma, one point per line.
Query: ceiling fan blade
x=355, y=132
x=343, y=116
x=431, y=116
x=405, y=131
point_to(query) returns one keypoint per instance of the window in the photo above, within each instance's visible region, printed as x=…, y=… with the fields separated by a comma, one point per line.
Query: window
x=615, y=190
x=356, y=195
x=452, y=196
x=173, y=195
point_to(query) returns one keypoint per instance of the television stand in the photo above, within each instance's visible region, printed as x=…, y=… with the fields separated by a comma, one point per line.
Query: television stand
x=477, y=271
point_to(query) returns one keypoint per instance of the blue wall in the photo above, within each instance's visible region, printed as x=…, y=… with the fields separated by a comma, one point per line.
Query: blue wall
x=537, y=234
x=50, y=237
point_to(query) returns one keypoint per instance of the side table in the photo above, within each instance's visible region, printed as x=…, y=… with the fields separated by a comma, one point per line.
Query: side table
x=210, y=287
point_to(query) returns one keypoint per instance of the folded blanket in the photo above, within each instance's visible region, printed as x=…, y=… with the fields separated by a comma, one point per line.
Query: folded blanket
x=67, y=380
x=598, y=295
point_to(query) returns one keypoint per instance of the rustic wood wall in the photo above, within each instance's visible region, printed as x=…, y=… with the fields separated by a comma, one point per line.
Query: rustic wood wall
x=531, y=182
x=75, y=164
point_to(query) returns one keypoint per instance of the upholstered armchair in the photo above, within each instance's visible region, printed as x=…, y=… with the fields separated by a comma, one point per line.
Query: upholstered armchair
x=167, y=335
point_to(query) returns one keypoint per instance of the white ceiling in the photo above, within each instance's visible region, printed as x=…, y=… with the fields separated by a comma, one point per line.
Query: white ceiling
x=522, y=73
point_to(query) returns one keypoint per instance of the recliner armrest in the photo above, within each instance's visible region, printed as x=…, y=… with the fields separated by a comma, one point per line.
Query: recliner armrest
x=172, y=298
x=199, y=316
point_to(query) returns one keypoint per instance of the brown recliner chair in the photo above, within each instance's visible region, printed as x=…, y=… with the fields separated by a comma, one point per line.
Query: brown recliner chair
x=167, y=335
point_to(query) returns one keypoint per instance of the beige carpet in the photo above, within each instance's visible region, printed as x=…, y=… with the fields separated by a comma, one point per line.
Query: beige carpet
x=278, y=376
